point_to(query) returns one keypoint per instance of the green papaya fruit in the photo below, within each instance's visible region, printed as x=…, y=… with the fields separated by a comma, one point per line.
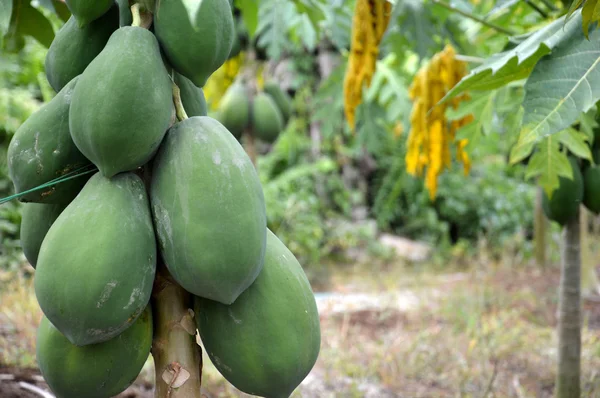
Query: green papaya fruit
x=269, y=339
x=42, y=150
x=267, y=121
x=36, y=220
x=94, y=371
x=591, y=188
x=97, y=263
x=195, y=49
x=234, y=112
x=236, y=47
x=208, y=209
x=283, y=101
x=192, y=97
x=73, y=48
x=86, y=11
x=565, y=201
x=118, y=119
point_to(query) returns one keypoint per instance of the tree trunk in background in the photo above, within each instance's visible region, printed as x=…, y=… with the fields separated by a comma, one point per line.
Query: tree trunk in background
x=250, y=146
x=177, y=356
x=569, y=321
x=540, y=224
x=589, y=279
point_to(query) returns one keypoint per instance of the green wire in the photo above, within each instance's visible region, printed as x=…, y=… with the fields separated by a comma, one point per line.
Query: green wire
x=69, y=176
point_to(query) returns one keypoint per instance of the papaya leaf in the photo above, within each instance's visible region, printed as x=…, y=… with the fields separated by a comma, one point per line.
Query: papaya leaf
x=576, y=142
x=501, y=6
x=307, y=33
x=6, y=7
x=518, y=62
x=481, y=106
x=563, y=85
x=412, y=25
x=574, y=5
x=521, y=150
x=28, y=21
x=274, y=20
x=549, y=163
x=590, y=14
x=61, y=10
x=249, y=11
x=587, y=123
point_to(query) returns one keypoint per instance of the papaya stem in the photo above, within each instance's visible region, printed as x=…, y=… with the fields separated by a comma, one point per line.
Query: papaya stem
x=177, y=356
x=135, y=14
x=180, y=111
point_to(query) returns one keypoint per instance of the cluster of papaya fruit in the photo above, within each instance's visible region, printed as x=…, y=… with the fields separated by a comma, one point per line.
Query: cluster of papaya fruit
x=263, y=115
x=168, y=188
x=584, y=188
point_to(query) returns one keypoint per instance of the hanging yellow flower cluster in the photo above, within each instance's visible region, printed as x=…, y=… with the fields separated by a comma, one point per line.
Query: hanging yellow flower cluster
x=431, y=134
x=371, y=18
x=219, y=82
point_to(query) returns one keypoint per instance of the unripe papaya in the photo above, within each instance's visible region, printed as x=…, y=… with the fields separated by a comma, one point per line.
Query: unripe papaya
x=36, y=220
x=236, y=47
x=199, y=46
x=42, y=150
x=118, y=119
x=591, y=189
x=86, y=11
x=192, y=97
x=208, y=209
x=566, y=199
x=95, y=371
x=283, y=101
x=267, y=121
x=97, y=263
x=268, y=340
x=234, y=110
x=73, y=48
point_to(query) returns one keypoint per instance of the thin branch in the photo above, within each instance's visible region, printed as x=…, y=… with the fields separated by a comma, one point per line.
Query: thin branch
x=537, y=9
x=475, y=18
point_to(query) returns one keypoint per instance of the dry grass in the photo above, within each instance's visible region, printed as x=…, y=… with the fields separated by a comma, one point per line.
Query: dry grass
x=20, y=315
x=483, y=332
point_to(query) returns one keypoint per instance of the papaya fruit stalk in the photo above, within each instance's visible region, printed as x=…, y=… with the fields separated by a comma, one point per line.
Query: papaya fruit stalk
x=177, y=356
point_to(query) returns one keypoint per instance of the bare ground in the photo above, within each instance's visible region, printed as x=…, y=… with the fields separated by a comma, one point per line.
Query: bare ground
x=389, y=332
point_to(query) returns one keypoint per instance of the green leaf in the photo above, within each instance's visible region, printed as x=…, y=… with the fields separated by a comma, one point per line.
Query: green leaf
x=6, y=7
x=61, y=10
x=576, y=142
x=590, y=14
x=28, y=21
x=481, y=106
x=307, y=33
x=521, y=149
x=587, y=123
x=413, y=26
x=501, y=6
x=548, y=163
x=563, y=85
x=574, y=5
x=518, y=62
x=249, y=11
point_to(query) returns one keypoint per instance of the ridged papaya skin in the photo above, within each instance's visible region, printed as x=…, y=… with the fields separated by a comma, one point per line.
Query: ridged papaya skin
x=97, y=263
x=195, y=49
x=283, y=101
x=209, y=210
x=73, y=48
x=86, y=11
x=192, y=97
x=591, y=189
x=119, y=119
x=42, y=150
x=95, y=371
x=36, y=220
x=234, y=111
x=269, y=339
x=566, y=199
x=267, y=121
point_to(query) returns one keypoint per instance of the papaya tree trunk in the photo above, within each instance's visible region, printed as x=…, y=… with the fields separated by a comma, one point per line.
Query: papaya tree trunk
x=540, y=225
x=177, y=356
x=250, y=146
x=589, y=279
x=569, y=320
